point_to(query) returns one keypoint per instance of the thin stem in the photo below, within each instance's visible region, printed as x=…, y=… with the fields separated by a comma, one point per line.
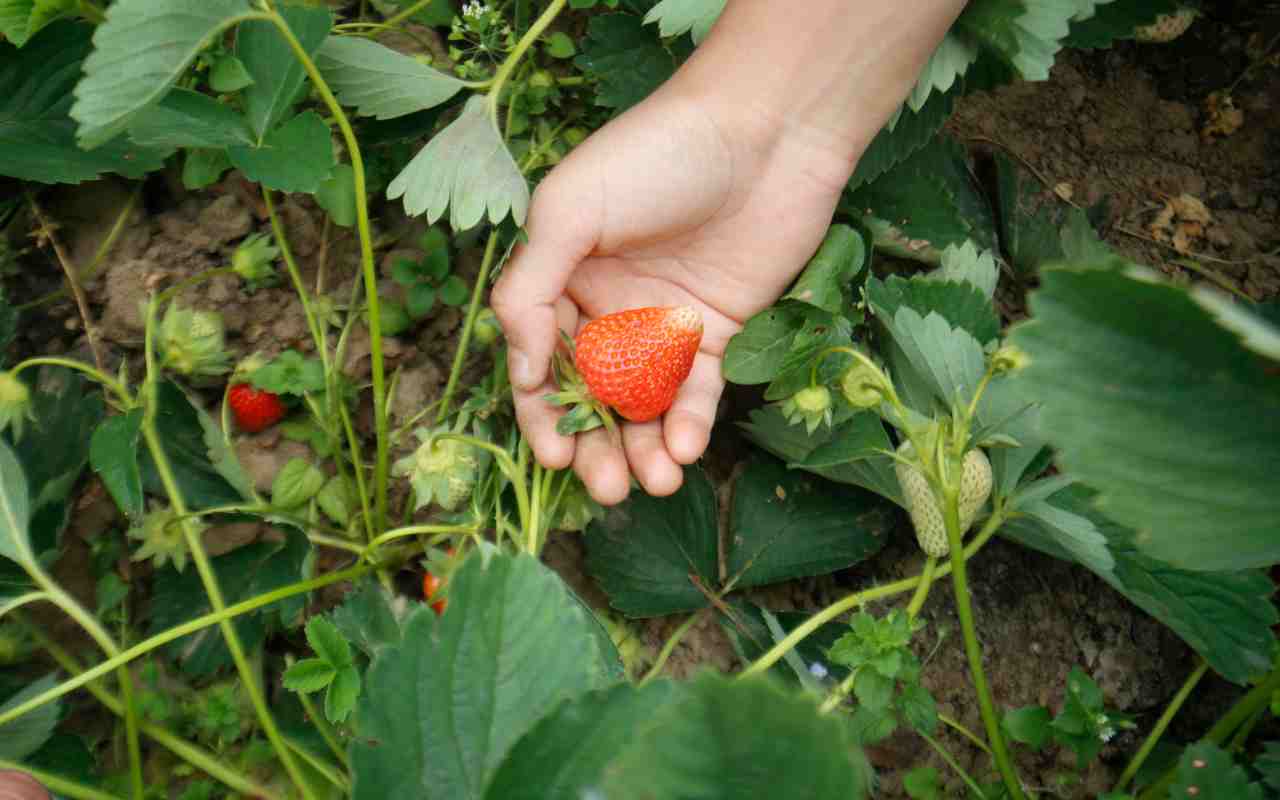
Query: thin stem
x=959, y=728
x=922, y=589
x=503, y=459
x=401, y=16
x=955, y=765
x=114, y=386
x=325, y=730
x=59, y=785
x=73, y=281
x=1161, y=725
x=669, y=647
x=964, y=610
x=295, y=275
x=509, y=64
x=464, y=339
x=417, y=530
x=382, y=462
x=841, y=692
x=804, y=629
x=193, y=755
x=91, y=12
x=195, y=280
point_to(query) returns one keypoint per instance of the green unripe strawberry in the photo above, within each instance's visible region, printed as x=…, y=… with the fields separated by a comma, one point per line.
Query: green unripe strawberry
x=926, y=515
x=15, y=404
x=442, y=471
x=194, y=342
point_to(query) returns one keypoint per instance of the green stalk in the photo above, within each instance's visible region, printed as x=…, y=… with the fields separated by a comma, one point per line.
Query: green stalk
x=193, y=755
x=116, y=388
x=177, y=632
x=955, y=725
x=955, y=765
x=295, y=275
x=416, y=530
x=960, y=581
x=464, y=339
x=922, y=589
x=382, y=462
x=500, y=79
x=668, y=648
x=325, y=730
x=841, y=692
x=59, y=785
x=801, y=631
x=1161, y=725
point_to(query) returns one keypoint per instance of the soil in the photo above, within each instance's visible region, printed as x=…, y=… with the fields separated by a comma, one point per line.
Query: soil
x=1133, y=126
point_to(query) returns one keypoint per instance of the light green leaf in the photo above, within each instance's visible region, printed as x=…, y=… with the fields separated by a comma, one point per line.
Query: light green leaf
x=113, y=453
x=786, y=524
x=295, y=157
x=277, y=73
x=25, y=735
x=15, y=509
x=741, y=739
x=335, y=500
x=1074, y=533
x=560, y=45
x=140, y=50
x=467, y=169
x=825, y=280
x=337, y=195
x=949, y=359
x=962, y=305
x=1026, y=34
x=296, y=483
x=922, y=783
x=756, y=354
x=966, y=263
x=873, y=690
x=1028, y=725
x=21, y=19
x=309, y=675
x=1163, y=410
x=442, y=708
x=380, y=82
x=189, y=119
x=37, y=138
x=328, y=642
x=949, y=61
x=675, y=17
x=343, y=693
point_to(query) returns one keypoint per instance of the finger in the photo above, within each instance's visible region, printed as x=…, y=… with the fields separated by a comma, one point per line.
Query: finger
x=687, y=424
x=524, y=297
x=649, y=460
x=16, y=785
x=537, y=420
x=600, y=464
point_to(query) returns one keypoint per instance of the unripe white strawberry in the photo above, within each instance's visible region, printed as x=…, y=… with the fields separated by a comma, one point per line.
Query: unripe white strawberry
x=1167, y=27
x=926, y=516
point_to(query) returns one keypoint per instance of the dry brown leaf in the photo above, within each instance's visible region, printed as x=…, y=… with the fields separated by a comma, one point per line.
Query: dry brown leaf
x=1222, y=116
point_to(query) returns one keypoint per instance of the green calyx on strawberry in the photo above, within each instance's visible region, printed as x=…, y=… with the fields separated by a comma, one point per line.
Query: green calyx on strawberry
x=162, y=537
x=632, y=362
x=193, y=343
x=15, y=404
x=253, y=260
x=811, y=406
x=442, y=471
x=975, y=481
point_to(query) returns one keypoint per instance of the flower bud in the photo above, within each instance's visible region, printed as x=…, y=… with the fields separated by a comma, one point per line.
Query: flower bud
x=1009, y=358
x=15, y=404
x=253, y=260
x=811, y=405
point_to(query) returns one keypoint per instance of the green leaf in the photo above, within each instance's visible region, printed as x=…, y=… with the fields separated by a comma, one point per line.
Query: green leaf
x=825, y=280
x=290, y=373
x=860, y=437
x=1028, y=725
x=454, y=291
x=202, y=168
x=1163, y=410
x=343, y=693
x=1207, y=772
x=1074, y=533
x=420, y=299
x=567, y=753
x=869, y=727
x=228, y=74
x=1267, y=763
x=949, y=61
x=435, y=14
x=15, y=509
x=950, y=360
x=337, y=195
x=1224, y=616
x=380, y=82
x=912, y=131
x=309, y=675
x=139, y=51
x=295, y=157
x=26, y=734
x=918, y=708
x=1035, y=224
x=786, y=524
x=1114, y=21
x=962, y=305
x=21, y=19
x=628, y=60
x=336, y=501
x=37, y=137
x=328, y=642
x=182, y=435
x=966, y=263
x=560, y=45
x=365, y=618
x=296, y=483
x=819, y=333
x=442, y=708
x=922, y=783
x=277, y=73
x=742, y=739
x=189, y=119
x=644, y=550
x=675, y=17
x=467, y=169
x=873, y=690
x=1026, y=34
x=757, y=353
x=113, y=453
x=1258, y=326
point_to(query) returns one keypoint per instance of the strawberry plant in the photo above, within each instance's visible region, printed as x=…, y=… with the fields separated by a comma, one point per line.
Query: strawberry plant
x=393, y=564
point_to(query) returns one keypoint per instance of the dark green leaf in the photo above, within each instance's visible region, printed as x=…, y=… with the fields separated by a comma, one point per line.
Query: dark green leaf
x=1163, y=410
x=826, y=279
x=296, y=483
x=37, y=137
x=1034, y=222
x=420, y=299
x=309, y=675
x=24, y=735
x=113, y=453
x=203, y=168
x=454, y=291
x=567, y=753
x=1207, y=772
x=295, y=157
x=821, y=331
x=742, y=739
x=646, y=551
x=228, y=74
x=914, y=129
x=786, y=524
x=1268, y=764
x=277, y=73
x=757, y=352
x=139, y=51
x=442, y=708
x=182, y=435
x=1113, y=21
x=435, y=14
x=963, y=305
x=860, y=437
x=918, y=708
x=868, y=727
x=337, y=195
x=627, y=58
x=189, y=119
x=22, y=19
x=1028, y=725
x=365, y=618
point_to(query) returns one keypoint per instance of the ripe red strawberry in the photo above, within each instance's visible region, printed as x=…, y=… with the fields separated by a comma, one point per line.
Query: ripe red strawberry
x=633, y=362
x=254, y=409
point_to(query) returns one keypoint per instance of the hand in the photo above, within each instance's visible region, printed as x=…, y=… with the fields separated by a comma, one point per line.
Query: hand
x=20, y=786
x=676, y=202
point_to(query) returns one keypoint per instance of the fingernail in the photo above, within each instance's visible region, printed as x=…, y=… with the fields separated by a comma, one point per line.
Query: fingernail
x=521, y=371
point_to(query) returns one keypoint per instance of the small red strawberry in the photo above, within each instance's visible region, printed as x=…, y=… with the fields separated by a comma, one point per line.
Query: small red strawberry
x=633, y=361
x=254, y=409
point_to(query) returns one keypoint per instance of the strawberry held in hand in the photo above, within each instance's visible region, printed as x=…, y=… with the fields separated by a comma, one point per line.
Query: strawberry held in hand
x=253, y=408
x=633, y=361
